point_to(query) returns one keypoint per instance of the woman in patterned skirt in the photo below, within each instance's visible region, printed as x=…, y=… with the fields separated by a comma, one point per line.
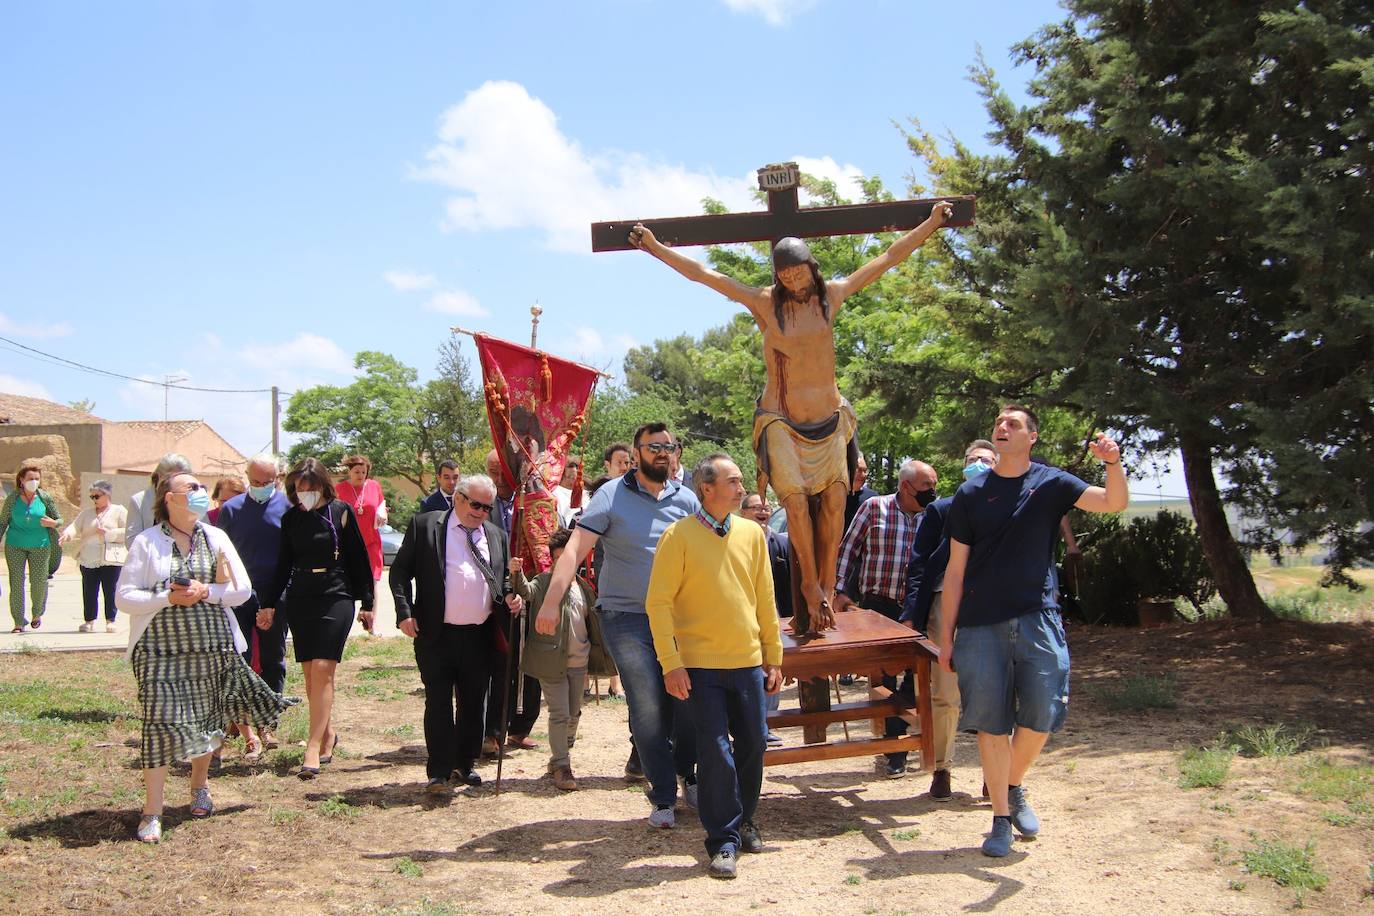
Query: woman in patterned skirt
x=322, y=571
x=179, y=585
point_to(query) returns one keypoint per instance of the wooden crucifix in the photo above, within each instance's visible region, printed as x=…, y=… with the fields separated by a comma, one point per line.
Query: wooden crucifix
x=804, y=431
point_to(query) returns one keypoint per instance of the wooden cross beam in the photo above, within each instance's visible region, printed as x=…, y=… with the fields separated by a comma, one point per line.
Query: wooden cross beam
x=782, y=218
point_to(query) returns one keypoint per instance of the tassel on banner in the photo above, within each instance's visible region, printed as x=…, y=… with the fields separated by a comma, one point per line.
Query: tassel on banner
x=546, y=376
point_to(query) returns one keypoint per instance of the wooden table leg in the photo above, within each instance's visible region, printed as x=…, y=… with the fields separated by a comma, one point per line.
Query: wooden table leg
x=875, y=681
x=814, y=696
x=923, y=712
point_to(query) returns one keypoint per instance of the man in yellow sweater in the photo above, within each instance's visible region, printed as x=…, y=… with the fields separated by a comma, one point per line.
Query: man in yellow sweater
x=715, y=631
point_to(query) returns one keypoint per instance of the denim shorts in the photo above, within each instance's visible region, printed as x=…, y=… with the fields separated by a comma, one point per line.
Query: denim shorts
x=1013, y=673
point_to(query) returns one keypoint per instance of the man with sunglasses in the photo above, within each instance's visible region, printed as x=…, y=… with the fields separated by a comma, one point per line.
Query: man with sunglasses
x=627, y=517
x=457, y=562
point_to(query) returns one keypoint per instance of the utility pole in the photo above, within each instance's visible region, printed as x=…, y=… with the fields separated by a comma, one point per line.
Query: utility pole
x=276, y=424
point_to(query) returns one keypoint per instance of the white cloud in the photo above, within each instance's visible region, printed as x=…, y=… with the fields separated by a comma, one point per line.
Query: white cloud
x=774, y=12
x=845, y=177
x=407, y=281
x=589, y=346
x=11, y=385
x=502, y=152
x=305, y=351
x=455, y=302
x=35, y=330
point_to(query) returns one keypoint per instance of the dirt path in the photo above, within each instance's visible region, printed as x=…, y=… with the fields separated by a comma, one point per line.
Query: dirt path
x=1119, y=834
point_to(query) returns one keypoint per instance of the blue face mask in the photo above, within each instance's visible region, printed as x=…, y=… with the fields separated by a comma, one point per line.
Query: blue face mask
x=975, y=470
x=198, y=501
x=262, y=494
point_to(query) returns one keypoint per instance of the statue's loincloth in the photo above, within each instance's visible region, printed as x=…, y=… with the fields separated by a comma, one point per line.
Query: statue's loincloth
x=806, y=458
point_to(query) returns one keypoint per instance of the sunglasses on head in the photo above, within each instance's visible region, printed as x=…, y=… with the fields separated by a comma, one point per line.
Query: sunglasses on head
x=480, y=507
x=658, y=448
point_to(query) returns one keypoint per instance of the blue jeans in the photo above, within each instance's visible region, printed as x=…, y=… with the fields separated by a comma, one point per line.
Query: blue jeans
x=725, y=703
x=659, y=724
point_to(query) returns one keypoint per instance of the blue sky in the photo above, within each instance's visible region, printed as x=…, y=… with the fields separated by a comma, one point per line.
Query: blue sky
x=249, y=193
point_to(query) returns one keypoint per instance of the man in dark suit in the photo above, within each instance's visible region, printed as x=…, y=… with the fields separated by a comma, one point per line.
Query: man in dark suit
x=925, y=579
x=441, y=499
x=458, y=562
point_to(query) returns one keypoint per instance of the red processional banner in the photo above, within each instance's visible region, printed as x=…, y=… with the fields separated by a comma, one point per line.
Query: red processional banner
x=537, y=405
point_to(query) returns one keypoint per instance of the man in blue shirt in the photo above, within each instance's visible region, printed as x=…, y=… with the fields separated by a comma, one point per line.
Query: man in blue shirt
x=1009, y=648
x=627, y=516
x=253, y=522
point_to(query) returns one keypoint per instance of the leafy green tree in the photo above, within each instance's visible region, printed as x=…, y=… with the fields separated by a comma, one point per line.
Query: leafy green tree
x=1174, y=236
x=451, y=419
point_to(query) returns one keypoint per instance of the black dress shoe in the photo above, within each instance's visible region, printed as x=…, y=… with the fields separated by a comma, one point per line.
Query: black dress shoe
x=466, y=777
x=307, y=773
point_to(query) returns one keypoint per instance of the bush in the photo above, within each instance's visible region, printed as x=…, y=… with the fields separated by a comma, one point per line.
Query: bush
x=1205, y=767
x=1154, y=557
x=1138, y=691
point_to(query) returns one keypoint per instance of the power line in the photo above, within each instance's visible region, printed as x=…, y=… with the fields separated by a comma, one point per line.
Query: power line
x=52, y=359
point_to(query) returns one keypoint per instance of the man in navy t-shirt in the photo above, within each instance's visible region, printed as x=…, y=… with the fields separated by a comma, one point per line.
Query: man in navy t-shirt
x=1009, y=647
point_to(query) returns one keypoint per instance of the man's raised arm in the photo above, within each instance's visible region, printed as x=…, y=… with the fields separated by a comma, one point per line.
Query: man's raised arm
x=579, y=545
x=1114, y=496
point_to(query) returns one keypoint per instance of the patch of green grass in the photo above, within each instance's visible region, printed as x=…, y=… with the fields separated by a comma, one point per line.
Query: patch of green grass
x=29, y=648
x=295, y=725
x=1327, y=780
x=381, y=674
x=283, y=816
x=286, y=756
x=376, y=691
x=852, y=880
x=380, y=649
x=336, y=807
x=408, y=868
x=910, y=833
x=1137, y=692
x=1204, y=767
x=1279, y=740
x=1237, y=884
x=1338, y=818
x=1289, y=866
x=404, y=730
x=1070, y=767
x=1223, y=808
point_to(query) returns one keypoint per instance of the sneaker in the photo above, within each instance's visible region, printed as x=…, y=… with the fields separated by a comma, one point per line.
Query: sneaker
x=998, y=843
x=772, y=737
x=439, y=788
x=563, y=779
x=749, y=839
x=662, y=817
x=86, y=627
x=723, y=863
x=689, y=792
x=1022, y=816
x=846, y=680
x=634, y=771
x=109, y=628
x=939, y=786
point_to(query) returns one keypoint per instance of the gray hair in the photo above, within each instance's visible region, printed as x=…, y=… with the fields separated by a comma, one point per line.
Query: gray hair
x=477, y=480
x=104, y=486
x=172, y=463
x=267, y=458
x=910, y=468
x=706, y=470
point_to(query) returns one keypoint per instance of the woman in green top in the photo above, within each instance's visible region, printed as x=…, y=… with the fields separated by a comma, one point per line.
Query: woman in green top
x=27, y=519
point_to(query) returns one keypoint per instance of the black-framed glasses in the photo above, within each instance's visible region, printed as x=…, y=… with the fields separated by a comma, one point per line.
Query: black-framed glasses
x=480, y=507
x=658, y=448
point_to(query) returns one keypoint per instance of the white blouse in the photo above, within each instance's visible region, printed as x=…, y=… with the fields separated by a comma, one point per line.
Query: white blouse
x=101, y=534
x=143, y=588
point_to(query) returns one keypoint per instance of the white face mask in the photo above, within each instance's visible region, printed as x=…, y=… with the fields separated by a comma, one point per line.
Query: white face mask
x=31, y=486
x=308, y=500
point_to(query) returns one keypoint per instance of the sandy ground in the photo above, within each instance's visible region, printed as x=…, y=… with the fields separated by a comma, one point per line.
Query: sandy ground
x=1119, y=834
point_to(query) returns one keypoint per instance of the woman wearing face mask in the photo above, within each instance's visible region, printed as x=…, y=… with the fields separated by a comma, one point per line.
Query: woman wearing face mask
x=364, y=494
x=102, y=553
x=323, y=569
x=226, y=488
x=26, y=519
x=179, y=586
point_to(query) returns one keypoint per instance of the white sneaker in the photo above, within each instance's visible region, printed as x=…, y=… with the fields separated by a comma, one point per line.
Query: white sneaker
x=110, y=628
x=663, y=818
x=689, y=794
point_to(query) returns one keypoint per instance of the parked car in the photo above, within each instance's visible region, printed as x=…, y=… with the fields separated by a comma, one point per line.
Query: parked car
x=391, y=543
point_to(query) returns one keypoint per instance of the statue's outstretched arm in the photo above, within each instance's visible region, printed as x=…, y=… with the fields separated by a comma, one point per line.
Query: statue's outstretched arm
x=896, y=253
x=751, y=297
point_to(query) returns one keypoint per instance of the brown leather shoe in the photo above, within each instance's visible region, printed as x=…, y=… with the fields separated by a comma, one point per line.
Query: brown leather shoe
x=563, y=779
x=489, y=747
x=939, y=786
x=521, y=742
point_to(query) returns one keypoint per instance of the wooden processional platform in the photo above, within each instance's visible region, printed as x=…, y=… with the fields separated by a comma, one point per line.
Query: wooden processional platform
x=866, y=643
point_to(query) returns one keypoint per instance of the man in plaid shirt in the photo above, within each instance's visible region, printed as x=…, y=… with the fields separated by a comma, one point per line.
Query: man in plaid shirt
x=873, y=561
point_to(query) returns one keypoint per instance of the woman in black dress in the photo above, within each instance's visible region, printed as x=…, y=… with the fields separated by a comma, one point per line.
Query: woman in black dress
x=322, y=571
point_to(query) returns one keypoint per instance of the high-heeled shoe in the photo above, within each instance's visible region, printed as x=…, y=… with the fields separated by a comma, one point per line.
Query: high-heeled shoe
x=307, y=773
x=329, y=758
x=202, y=803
